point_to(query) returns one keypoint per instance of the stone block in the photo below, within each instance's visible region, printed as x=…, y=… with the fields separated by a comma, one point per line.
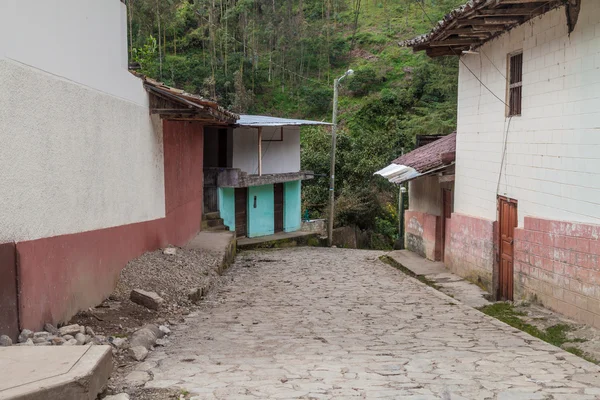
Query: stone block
x=149, y=300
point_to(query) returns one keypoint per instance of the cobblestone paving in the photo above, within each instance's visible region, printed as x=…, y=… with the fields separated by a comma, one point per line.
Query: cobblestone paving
x=340, y=324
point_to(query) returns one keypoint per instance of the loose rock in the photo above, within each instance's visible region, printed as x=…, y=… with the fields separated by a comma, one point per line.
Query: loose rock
x=71, y=342
x=28, y=342
x=146, y=336
x=137, y=378
x=119, y=343
x=120, y=396
x=45, y=343
x=164, y=329
x=90, y=331
x=69, y=330
x=80, y=338
x=25, y=334
x=149, y=300
x=58, y=341
x=51, y=329
x=5, y=341
x=68, y=337
x=162, y=342
x=138, y=353
x=41, y=335
x=171, y=251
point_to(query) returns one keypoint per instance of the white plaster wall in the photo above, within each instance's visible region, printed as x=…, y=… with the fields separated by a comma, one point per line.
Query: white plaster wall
x=72, y=158
x=84, y=41
x=278, y=157
x=425, y=195
x=552, y=162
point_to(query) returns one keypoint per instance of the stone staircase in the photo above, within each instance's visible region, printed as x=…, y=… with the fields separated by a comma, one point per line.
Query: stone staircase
x=212, y=222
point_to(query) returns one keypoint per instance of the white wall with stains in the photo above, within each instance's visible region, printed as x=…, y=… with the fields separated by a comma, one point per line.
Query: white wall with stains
x=277, y=156
x=552, y=159
x=78, y=150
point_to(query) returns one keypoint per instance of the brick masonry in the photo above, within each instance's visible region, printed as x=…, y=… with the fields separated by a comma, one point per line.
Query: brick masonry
x=422, y=234
x=558, y=264
x=469, y=249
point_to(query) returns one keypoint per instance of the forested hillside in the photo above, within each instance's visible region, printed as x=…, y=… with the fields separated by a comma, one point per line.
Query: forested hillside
x=279, y=57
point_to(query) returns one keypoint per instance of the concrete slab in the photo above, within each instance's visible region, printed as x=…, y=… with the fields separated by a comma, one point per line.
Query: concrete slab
x=214, y=241
x=54, y=372
x=220, y=243
x=447, y=282
x=416, y=264
x=282, y=239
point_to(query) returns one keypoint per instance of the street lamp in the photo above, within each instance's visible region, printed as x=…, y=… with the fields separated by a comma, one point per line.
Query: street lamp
x=336, y=83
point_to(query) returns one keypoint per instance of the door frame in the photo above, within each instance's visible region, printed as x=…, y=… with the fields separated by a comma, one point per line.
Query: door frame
x=443, y=218
x=282, y=186
x=498, y=244
x=235, y=208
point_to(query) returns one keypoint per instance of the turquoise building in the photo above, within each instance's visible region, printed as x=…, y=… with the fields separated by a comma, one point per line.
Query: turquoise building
x=253, y=177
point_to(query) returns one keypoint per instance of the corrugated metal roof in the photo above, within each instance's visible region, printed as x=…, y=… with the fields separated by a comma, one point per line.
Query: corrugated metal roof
x=262, y=120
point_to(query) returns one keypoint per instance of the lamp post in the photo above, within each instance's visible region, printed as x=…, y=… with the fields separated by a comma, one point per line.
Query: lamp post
x=336, y=83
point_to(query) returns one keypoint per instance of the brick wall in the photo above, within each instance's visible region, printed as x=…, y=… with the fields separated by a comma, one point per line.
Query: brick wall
x=558, y=264
x=470, y=248
x=422, y=234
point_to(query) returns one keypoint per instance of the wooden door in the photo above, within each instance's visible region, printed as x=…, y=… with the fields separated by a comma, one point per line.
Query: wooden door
x=507, y=222
x=447, y=208
x=241, y=211
x=278, y=206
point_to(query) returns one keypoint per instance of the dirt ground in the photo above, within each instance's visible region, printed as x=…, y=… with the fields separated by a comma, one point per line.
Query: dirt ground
x=172, y=276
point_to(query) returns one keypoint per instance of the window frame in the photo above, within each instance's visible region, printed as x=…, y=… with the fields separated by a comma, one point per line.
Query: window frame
x=511, y=86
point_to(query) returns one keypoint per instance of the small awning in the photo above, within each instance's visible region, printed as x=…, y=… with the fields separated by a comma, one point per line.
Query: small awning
x=262, y=120
x=433, y=157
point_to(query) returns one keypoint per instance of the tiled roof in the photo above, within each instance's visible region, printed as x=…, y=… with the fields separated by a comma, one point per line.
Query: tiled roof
x=430, y=156
x=477, y=22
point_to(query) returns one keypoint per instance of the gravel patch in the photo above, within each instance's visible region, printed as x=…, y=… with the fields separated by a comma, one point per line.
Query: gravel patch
x=171, y=276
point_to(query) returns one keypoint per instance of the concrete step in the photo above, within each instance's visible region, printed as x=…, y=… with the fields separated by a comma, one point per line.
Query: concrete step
x=211, y=215
x=219, y=228
x=54, y=372
x=212, y=223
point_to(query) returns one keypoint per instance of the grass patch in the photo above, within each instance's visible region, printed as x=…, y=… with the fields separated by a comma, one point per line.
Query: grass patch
x=390, y=261
x=555, y=335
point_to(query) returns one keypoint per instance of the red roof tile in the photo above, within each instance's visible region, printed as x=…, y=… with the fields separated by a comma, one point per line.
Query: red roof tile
x=429, y=156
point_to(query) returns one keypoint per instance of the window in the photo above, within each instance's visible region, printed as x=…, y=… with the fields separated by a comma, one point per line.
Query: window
x=515, y=84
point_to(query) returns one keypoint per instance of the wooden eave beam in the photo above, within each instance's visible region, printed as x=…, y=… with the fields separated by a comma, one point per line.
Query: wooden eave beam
x=513, y=12
x=455, y=42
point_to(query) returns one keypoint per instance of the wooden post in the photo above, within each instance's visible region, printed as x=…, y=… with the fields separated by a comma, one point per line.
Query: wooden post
x=259, y=151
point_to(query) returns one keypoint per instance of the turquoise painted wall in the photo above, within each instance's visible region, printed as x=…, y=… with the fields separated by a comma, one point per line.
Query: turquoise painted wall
x=227, y=206
x=261, y=220
x=292, y=207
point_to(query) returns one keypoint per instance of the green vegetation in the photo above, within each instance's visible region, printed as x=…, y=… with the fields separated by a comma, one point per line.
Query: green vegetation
x=280, y=58
x=389, y=260
x=556, y=334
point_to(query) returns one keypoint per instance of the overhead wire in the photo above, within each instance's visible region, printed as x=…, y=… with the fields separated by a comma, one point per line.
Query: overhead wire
x=505, y=141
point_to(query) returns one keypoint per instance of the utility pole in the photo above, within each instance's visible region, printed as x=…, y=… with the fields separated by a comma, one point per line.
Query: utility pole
x=336, y=84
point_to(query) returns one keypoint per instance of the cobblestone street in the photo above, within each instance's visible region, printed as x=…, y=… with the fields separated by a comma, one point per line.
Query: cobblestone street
x=333, y=323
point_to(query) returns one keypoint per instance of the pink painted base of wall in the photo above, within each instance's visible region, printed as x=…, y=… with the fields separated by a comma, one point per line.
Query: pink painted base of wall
x=61, y=275
x=423, y=234
x=558, y=264
x=470, y=248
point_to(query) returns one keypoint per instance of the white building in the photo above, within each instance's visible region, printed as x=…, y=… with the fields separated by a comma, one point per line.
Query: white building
x=527, y=189
x=89, y=179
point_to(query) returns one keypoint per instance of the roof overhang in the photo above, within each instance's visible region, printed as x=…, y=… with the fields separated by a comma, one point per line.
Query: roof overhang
x=257, y=121
x=398, y=174
x=176, y=104
x=479, y=21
